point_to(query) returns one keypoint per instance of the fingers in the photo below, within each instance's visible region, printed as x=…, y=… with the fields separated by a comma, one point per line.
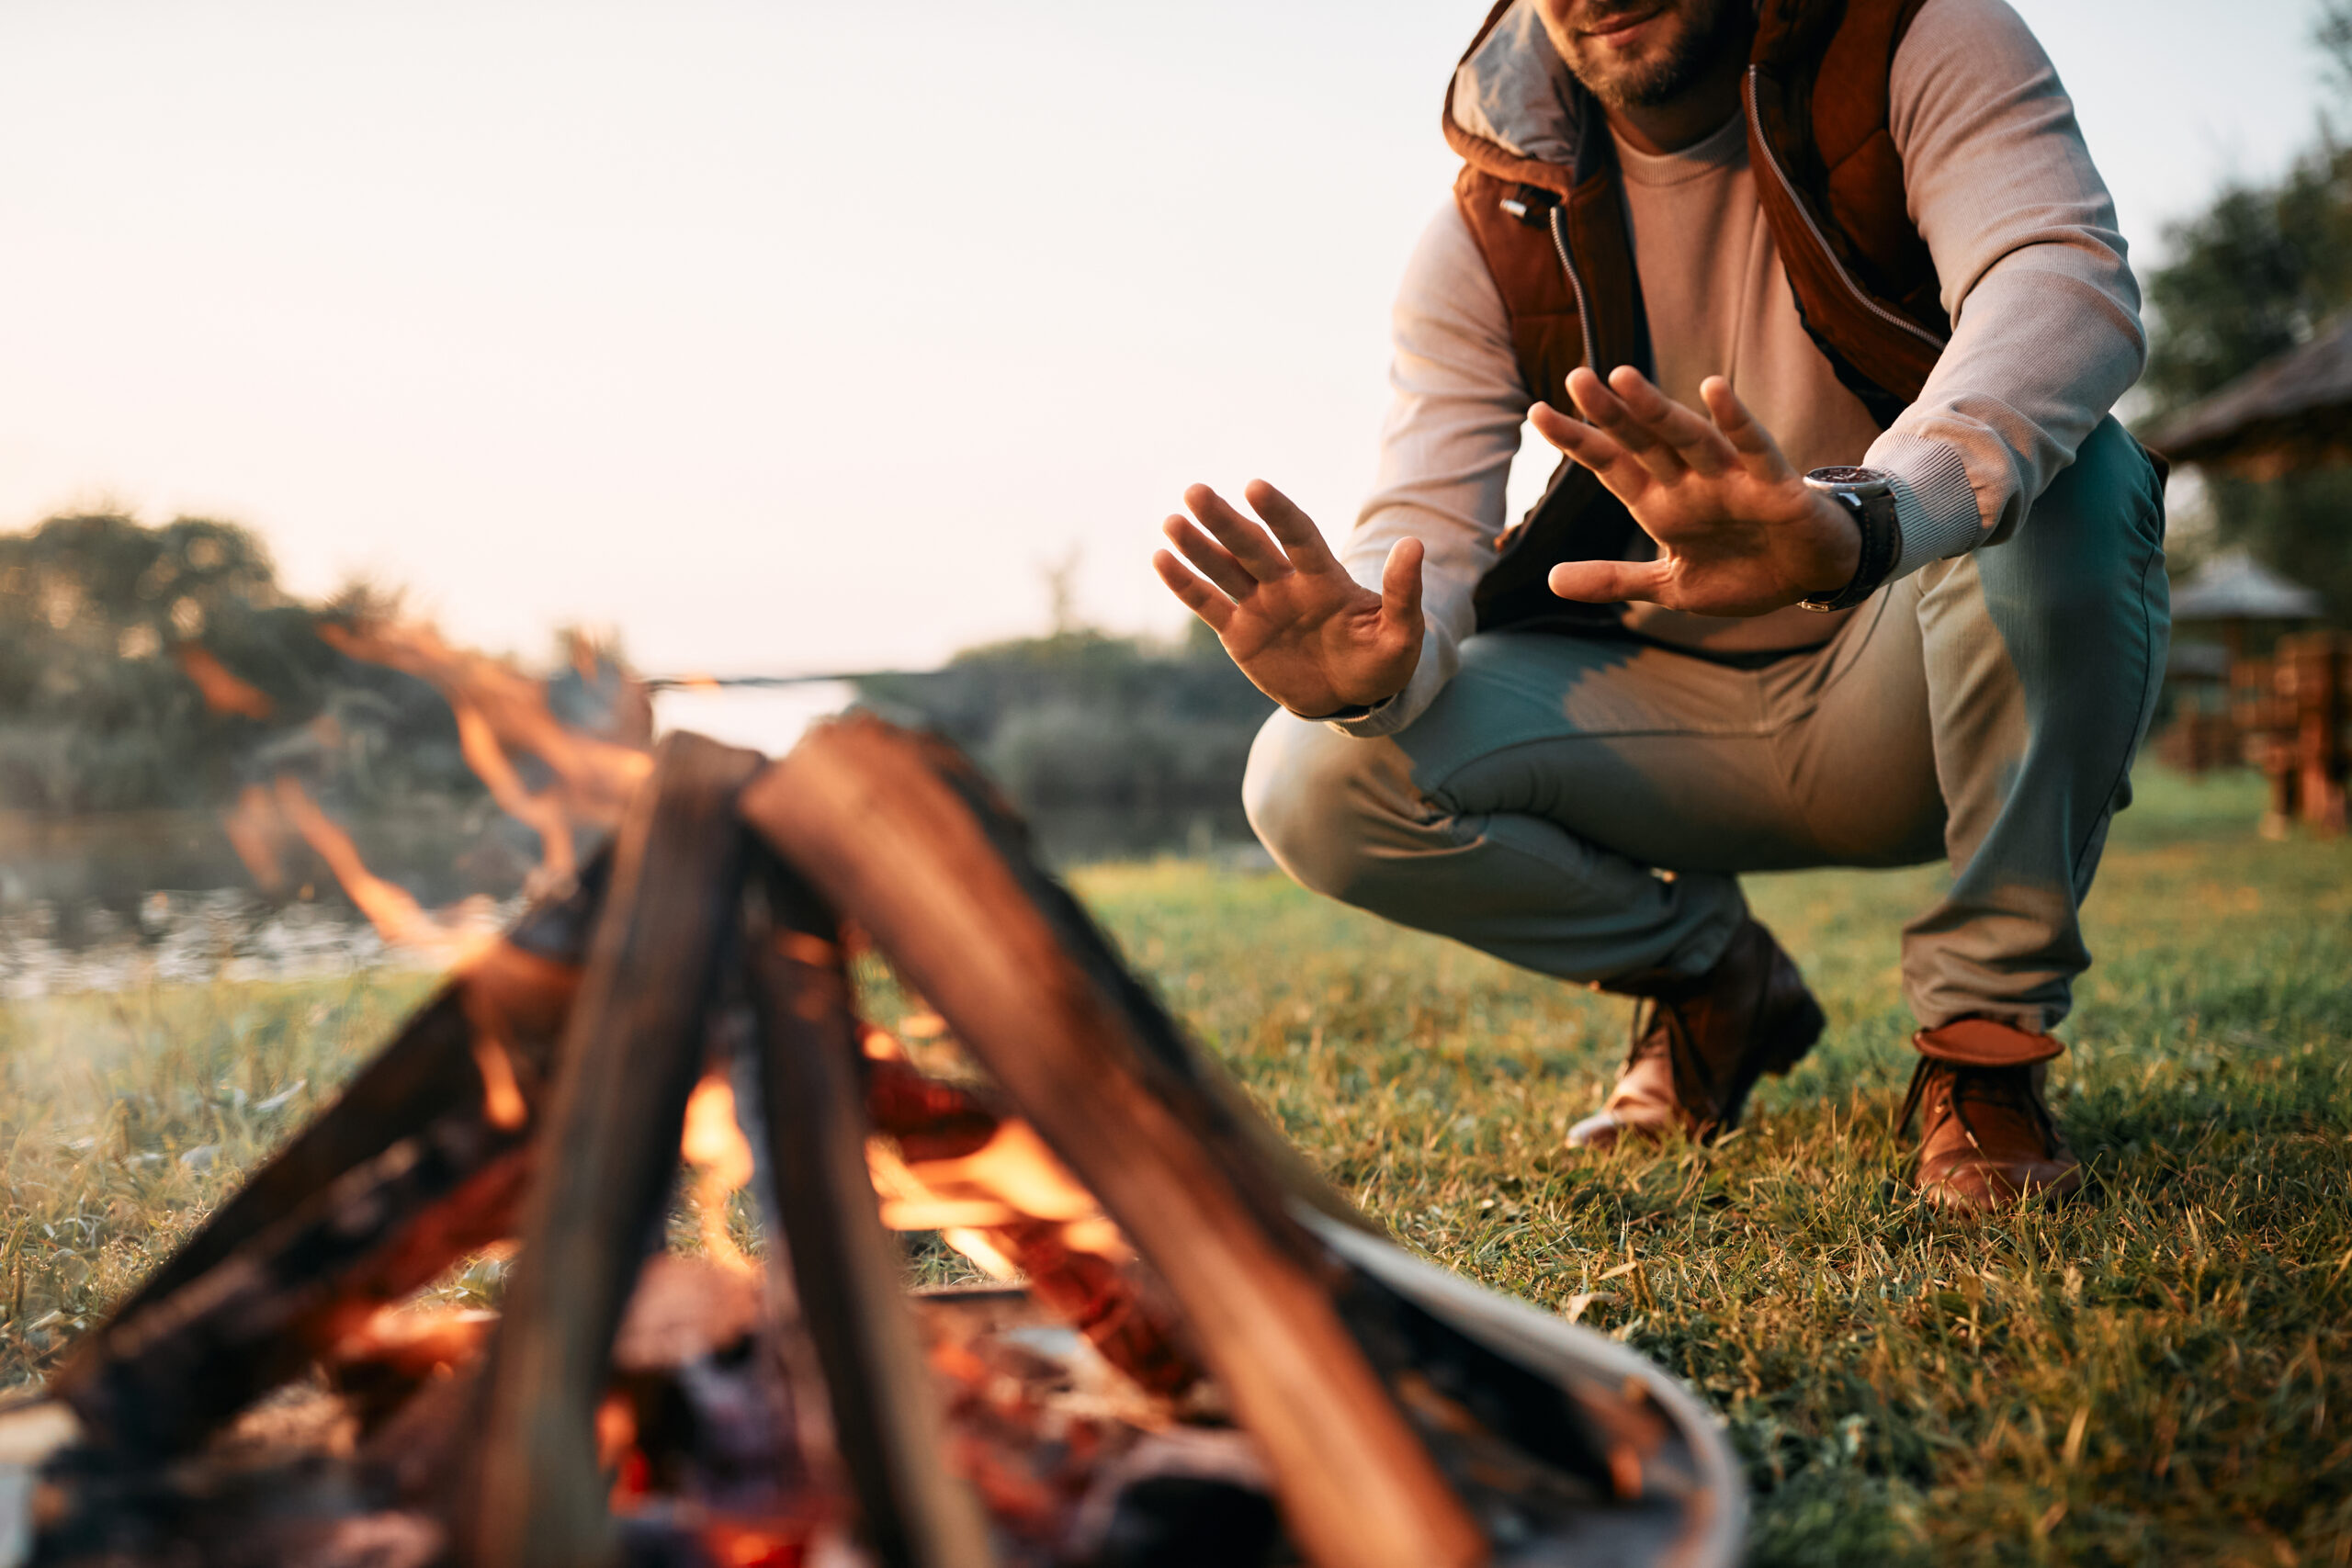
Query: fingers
x=1757, y=451
x=1198, y=596
x=1209, y=558
x=1400, y=586
x=1295, y=529
x=1606, y=582
x=1241, y=535
x=1692, y=439
x=1596, y=449
x=1603, y=408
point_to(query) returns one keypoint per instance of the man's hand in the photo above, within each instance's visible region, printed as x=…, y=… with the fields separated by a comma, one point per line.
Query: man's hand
x=1304, y=631
x=1738, y=531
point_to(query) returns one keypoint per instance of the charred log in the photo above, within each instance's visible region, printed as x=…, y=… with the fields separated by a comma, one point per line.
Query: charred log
x=847, y=1271
x=902, y=837
x=417, y=1163
x=629, y=1058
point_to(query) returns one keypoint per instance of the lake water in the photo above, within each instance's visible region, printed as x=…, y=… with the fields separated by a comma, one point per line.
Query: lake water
x=192, y=938
x=104, y=902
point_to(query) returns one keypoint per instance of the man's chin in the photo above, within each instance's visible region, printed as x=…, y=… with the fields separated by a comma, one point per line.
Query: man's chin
x=1636, y=76
x=1639, y=84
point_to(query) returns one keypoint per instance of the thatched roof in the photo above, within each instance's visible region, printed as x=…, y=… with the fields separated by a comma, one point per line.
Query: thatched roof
x=2289, y=411
x=2232, y=586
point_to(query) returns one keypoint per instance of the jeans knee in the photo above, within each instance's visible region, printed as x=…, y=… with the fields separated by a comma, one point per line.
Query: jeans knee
x=2084, y=572
x=2096, y=527
x=1318, y=800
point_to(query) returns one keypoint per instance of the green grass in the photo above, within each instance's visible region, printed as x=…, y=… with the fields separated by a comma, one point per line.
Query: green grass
x=2162, y=1375
x=128, y=1116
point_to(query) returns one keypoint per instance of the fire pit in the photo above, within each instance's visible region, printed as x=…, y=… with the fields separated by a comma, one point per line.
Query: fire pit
x=1195, y=1352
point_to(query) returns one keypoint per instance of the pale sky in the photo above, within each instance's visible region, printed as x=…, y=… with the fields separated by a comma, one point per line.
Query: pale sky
x=786, y=337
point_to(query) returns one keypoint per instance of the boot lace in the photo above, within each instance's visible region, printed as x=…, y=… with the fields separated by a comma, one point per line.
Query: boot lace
x=2009, y=1087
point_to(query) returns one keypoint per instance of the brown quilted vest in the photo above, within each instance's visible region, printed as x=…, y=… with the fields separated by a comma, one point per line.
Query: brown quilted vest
x=1831, y=187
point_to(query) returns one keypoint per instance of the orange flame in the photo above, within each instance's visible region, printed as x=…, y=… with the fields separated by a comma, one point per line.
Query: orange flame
x=1014, y=1180
x=223, y=692
x=714, y=1144
x=502, y=1096
x=597, y=775
x=541, y=814
x=1011, y=1176
x=256, y=830
x=500, y=711
x=397, y=917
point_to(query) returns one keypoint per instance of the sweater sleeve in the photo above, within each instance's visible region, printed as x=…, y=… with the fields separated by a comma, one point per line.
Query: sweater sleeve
x=1445, y=452
x=2045, y=312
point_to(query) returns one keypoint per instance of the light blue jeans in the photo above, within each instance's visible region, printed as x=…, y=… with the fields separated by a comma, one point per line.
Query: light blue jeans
x=1985, y=710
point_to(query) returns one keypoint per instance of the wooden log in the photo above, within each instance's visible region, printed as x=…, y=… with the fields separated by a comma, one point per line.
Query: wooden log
x=630, y=1056
x=522, y=986
x=162, y=1378
x=848, y=1274
x=899, y=835
x=417, y=1163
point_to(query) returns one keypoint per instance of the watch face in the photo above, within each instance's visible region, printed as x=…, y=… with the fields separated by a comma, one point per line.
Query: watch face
x=1849, y=477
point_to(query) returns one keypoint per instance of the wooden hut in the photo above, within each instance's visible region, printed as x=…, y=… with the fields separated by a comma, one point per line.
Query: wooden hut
x=2293, y=410
x=2285, y=712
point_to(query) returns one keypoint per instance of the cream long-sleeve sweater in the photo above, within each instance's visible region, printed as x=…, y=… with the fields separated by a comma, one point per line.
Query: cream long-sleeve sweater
x=2045, y=332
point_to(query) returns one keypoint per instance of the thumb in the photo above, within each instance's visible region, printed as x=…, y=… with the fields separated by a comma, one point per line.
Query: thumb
x=1606, y=582
x=1400, y=584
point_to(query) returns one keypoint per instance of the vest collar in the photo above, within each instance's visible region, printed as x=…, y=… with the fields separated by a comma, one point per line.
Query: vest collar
x=1513, y=111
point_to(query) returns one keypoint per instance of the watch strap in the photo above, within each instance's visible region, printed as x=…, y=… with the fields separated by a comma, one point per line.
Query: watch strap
x=1873, y=512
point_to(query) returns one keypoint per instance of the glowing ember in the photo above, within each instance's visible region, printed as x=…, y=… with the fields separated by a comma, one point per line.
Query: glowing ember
x=714, y=1144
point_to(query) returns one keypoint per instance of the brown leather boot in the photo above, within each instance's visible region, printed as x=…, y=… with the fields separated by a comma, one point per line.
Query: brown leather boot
x=1986, y=1140
x=1700, y=1045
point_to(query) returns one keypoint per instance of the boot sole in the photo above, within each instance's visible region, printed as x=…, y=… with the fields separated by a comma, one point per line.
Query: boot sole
x=1792, y=1036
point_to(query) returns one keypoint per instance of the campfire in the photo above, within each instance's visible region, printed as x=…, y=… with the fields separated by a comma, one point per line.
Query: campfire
x=1183, y=1347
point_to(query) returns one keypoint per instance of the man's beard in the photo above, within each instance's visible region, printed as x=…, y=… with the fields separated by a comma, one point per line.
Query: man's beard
x=1714, y=26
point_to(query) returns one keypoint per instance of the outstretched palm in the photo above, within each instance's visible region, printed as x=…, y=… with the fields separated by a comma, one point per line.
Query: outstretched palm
x=1738, y=531
x=1304, y=631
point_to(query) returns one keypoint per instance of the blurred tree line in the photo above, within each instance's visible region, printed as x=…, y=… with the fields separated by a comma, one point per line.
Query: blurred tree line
x=166, y=667
x=2258, y=272
x=110, y=634
x=1081, y=721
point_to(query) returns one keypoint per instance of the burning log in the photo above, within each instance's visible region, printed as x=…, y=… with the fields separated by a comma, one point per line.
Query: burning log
x=1201, y=1351
x=422, y=1159
x=1404, y=1414
x=897, y=833
x=937, y=1125
x=631, y=1057
x=850, y=1280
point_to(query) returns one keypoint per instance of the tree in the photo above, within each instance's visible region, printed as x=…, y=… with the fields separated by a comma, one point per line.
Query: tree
x=2254, y=275
x=104, y=623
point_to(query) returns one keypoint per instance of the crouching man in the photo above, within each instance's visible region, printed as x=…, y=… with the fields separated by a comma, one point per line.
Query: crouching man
x=1847, y=563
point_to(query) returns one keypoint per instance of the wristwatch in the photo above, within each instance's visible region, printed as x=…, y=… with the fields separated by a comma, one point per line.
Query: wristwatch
x=1869, y=494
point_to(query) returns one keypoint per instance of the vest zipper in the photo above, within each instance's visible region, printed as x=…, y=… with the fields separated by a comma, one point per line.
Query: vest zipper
x=1576, y=285
x=1772, y=162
